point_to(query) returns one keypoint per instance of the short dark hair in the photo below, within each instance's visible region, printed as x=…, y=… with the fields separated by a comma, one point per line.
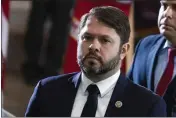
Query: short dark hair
x=112, y=17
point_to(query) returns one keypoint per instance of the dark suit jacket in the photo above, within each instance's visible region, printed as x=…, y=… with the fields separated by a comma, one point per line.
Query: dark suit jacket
x=54, y=97
x=144, y=63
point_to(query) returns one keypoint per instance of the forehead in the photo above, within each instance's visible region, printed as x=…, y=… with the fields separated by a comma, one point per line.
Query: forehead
x=95, y=26
x=168, y=1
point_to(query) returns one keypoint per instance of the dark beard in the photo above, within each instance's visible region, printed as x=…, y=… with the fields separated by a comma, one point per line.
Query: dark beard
x=108, y=66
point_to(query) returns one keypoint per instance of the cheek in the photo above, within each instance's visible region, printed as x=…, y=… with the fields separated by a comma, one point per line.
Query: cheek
x=159, y=18
x=174, y=19
x=160, y=14
x=82, y=49
x=79, y=49
x=109, y=54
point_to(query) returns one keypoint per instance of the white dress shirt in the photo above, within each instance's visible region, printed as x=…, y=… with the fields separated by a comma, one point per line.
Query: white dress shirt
x=106, y=88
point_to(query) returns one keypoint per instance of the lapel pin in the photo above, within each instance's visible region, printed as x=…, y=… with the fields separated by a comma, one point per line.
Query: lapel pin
x=118, y=104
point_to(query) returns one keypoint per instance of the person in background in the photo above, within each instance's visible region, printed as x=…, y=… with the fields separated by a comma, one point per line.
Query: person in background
x=100, y=89
x=59, y=12
x=154, y=63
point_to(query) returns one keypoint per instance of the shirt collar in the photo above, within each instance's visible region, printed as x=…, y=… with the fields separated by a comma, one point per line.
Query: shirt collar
x=167, y=44
x=104, y=86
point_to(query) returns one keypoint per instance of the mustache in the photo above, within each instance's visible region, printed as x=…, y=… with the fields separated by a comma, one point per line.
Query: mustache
x=92, y=54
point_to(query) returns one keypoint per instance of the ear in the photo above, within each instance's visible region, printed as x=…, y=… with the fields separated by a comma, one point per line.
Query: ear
x=124, y=50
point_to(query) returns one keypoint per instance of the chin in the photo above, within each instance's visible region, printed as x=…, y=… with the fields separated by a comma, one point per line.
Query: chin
x=91, y=71
x=91, y=67
x=164, y=32
x=92, y=64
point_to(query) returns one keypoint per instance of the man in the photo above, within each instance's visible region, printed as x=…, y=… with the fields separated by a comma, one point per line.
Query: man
x=99, y=89
x=154, y=64
x=51, y=48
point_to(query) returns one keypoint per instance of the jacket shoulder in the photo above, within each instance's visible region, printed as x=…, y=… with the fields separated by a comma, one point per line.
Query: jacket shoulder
x=151, y=39
x=57, y=79
x=143, y=93
x=144, y=101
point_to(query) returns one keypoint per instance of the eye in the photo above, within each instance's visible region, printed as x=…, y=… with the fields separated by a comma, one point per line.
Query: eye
x=87, y=37
x=164, y=5
x=105, y=40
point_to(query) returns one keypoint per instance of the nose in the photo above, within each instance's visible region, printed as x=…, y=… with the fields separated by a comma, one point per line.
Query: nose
x=95, y=45
x=168, y=12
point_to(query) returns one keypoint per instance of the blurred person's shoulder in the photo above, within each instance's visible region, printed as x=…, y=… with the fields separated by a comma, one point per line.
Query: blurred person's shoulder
x=152, y=39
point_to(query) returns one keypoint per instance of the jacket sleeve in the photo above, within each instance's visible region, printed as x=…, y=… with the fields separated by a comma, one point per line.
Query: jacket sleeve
x=158, y=109
x=33, y=107
x=139, y=69
x=130, y=72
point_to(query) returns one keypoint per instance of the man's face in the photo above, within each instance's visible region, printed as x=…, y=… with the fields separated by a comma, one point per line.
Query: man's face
x=98, y=48
x=167, y=19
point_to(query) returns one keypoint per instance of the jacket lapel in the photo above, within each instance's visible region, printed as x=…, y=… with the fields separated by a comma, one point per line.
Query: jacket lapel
x=117, y=97
x=151, y=63
x=71, y=94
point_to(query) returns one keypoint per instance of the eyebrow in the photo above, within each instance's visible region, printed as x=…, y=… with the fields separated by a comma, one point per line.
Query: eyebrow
x=168, y=2
x=90, y=34
x=87, y=33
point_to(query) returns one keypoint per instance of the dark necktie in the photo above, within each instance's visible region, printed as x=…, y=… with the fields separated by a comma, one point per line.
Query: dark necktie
x=90, y=107
x=167, y=75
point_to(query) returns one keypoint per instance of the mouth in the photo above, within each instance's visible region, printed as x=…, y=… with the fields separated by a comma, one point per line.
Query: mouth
x=165, y=26
x=92, y=57
x=166, y=23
